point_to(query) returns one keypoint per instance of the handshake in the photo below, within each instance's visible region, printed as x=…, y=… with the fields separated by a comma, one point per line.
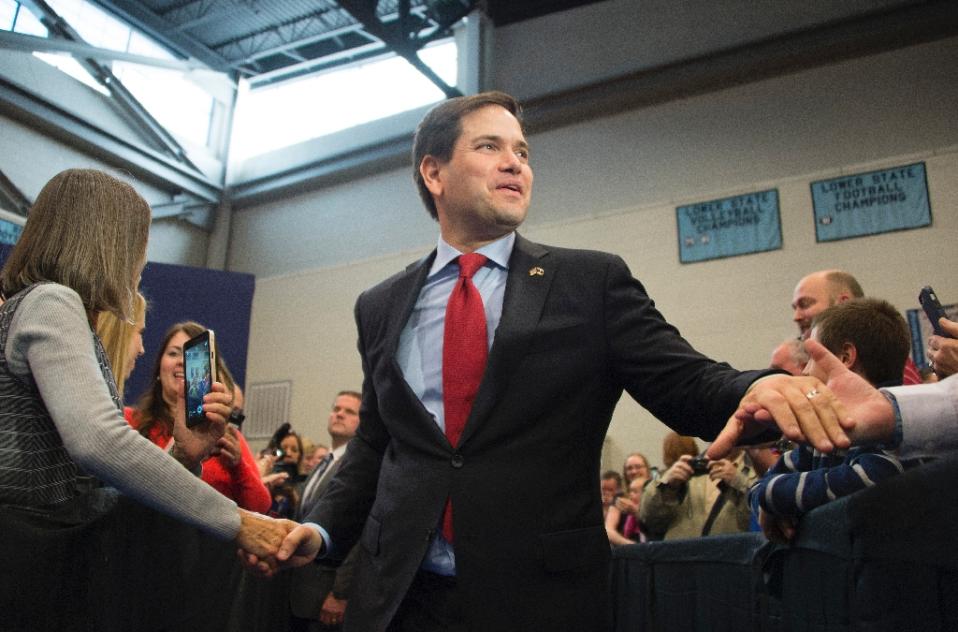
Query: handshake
x=268, y=545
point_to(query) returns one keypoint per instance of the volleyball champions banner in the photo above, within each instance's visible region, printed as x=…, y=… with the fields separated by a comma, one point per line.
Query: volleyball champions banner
x=730, y=226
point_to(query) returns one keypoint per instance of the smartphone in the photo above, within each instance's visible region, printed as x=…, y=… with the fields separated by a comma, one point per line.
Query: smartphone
x=933, y=309
x=199, y=373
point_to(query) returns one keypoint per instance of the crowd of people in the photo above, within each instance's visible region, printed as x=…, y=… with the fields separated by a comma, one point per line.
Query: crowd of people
x=417, y=506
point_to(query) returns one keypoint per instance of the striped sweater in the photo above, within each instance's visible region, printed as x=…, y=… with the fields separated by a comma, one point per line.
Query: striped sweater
x=805, y=478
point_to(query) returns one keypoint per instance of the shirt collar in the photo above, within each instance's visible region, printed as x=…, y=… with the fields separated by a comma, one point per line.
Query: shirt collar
x=498, y=252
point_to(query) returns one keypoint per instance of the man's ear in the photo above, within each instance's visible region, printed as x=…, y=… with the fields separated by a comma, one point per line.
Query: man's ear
x=849, y=355
x=429, y=169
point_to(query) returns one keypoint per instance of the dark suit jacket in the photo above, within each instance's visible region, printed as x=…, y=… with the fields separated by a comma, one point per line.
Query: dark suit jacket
x=531, y=549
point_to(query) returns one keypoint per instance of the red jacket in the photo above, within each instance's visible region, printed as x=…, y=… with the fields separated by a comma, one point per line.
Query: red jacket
x=241, y=483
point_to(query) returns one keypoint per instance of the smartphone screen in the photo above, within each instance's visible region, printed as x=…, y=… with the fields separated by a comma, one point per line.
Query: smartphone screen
x=199, y=373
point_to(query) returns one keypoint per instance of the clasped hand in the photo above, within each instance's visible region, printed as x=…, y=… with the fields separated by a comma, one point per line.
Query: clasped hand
x=268, y=545
x=808, y=411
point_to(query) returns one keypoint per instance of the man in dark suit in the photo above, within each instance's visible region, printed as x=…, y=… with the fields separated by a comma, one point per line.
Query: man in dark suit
x=451, y=535
x=319, y=594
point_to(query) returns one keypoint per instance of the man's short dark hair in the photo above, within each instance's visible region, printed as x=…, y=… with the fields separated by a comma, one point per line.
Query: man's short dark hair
x=440, y=129
x=355, y=394
x=878, y=332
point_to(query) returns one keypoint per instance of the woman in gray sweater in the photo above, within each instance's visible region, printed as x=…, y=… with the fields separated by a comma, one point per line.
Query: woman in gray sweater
x=62, y=432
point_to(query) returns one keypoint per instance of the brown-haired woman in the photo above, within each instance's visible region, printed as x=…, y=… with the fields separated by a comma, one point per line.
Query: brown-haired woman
x=81, y=254
x=231, y=468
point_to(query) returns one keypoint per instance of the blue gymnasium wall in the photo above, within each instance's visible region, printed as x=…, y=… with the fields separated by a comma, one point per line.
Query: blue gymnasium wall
x=221, y=301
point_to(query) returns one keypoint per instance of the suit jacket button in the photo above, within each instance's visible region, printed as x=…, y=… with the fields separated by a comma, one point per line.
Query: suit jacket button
x=457, y=460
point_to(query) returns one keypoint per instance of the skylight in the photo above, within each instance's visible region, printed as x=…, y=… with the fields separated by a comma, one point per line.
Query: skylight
x=276, y=116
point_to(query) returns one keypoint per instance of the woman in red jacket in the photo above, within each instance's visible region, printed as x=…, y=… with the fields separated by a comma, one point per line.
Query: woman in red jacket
x=231, y=469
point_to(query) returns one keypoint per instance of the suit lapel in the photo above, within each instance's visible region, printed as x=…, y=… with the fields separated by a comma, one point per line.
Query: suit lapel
x=402, y=299
x=527, y=286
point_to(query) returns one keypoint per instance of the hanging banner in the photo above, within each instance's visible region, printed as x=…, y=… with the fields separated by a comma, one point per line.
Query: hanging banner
x=871, y=203
x=731, y=226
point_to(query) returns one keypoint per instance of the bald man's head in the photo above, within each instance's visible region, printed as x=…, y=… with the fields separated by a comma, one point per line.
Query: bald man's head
x=818, y=291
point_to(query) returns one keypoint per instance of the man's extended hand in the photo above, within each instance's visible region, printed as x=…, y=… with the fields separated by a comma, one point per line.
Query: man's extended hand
x=300, y=546
x=784, y=400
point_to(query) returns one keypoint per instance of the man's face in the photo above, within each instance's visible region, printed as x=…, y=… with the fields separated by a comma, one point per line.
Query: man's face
x=812, y=296
x=344, y=417
x=483, y=192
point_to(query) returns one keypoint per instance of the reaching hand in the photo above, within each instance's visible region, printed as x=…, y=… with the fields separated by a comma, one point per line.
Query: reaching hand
x=803, y=408
x=299, y=546
x=261, y=535
x=943, y=352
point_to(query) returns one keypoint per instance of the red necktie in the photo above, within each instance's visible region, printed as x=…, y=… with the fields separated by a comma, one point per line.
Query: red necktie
x=464, y=352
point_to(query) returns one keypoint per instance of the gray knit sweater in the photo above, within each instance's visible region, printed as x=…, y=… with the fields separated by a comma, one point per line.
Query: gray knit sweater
x=50, y=344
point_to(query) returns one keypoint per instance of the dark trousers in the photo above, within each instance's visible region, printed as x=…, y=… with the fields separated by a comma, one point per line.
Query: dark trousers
x=432, y=604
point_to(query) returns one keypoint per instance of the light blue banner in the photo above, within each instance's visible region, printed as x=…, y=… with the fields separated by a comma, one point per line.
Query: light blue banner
x=730, y=226
x=871, y=203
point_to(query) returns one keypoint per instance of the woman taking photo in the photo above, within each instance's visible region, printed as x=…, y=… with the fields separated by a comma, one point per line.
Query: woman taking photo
x=63, y=433
x=231, y=468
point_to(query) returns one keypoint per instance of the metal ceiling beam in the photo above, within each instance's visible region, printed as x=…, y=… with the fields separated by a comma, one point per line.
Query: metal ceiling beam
x=136, y=14
x=397, y=37
x=791, y=52
x=148, y=165
x=134, y=110
x=358, y=53
x=33, y=43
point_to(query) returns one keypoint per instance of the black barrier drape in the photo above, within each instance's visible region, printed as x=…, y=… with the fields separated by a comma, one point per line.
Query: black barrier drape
x=115, y=565
x=883, y=559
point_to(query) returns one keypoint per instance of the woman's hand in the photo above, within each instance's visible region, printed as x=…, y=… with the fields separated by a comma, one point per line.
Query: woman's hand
x=228, y=448
x=193, y=445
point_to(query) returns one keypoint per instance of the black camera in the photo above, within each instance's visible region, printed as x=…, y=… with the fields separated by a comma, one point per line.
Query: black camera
x=700, y=465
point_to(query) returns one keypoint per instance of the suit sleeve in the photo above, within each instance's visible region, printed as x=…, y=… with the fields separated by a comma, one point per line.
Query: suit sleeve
x=689, y=392
x=345, y=503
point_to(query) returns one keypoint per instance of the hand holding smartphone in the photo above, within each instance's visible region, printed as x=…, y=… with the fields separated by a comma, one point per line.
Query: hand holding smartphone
x=199, y=373
x=933, y=309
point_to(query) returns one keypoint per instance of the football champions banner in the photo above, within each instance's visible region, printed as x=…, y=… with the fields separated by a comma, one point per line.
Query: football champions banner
x=871, y=203
x=730, y=226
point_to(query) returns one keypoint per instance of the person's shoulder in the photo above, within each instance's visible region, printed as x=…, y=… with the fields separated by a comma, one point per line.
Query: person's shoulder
x=51, y=297
x=581, y=256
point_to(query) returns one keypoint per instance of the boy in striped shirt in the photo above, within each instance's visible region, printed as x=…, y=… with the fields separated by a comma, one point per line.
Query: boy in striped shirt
x=871, y=338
